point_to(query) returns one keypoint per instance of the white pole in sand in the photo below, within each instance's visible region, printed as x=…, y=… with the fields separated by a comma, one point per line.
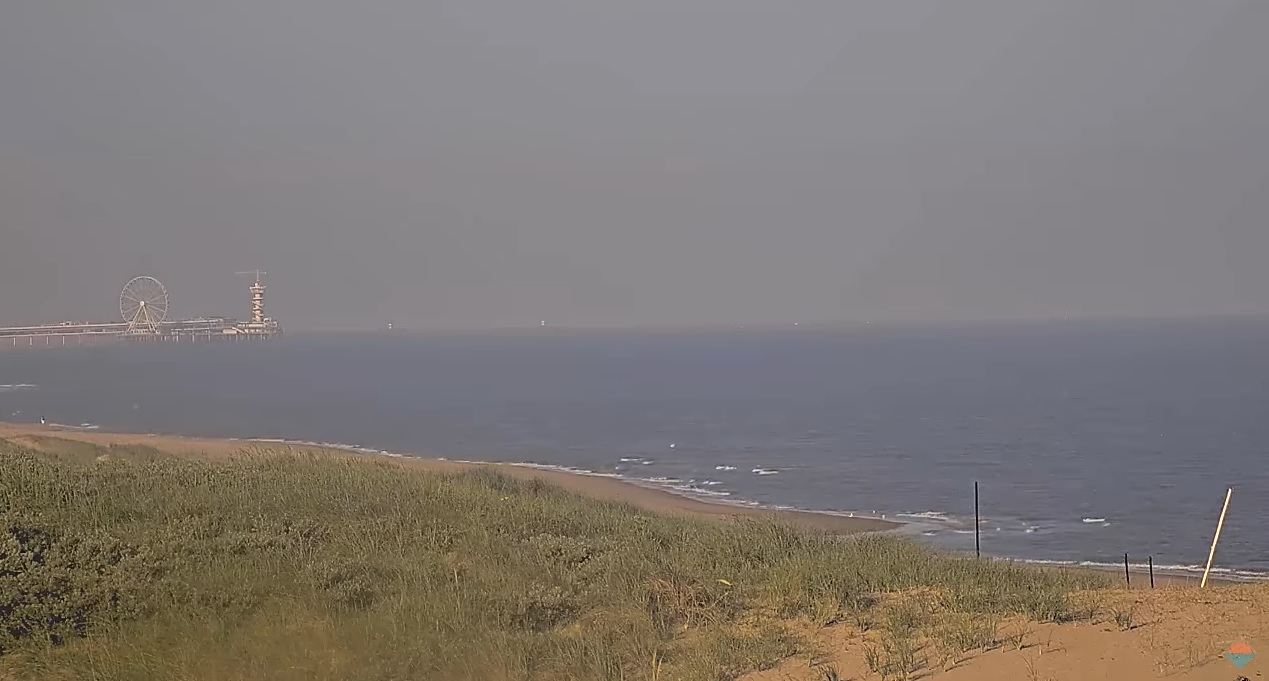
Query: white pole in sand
x=1219, y=524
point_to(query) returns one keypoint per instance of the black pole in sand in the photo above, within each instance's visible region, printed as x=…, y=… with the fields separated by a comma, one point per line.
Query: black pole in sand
x=1127, y=576
x=1150, y=562
x=977, y=550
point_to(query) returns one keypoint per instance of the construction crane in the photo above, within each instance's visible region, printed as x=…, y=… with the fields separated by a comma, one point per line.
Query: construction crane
x=257, y=297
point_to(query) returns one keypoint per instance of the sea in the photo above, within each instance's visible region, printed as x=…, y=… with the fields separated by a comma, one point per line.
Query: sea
x=1087, y=440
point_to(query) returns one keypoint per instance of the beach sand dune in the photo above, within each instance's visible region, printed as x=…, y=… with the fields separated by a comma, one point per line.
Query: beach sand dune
x=1168, y=633
x=597, y=487
x=1175, y=631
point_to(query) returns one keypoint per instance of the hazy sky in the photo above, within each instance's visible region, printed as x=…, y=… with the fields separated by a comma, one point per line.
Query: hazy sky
x=462, y=163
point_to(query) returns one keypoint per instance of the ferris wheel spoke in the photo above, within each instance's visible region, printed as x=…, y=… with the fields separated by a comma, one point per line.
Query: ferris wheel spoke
x=143, y=303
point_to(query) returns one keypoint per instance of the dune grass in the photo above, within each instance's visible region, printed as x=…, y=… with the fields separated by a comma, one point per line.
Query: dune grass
x=124, y=563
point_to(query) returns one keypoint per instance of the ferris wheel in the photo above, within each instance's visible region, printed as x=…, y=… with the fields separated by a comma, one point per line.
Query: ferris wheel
x=143, y=305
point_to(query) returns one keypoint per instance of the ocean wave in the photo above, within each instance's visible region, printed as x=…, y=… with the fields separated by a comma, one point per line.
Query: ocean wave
x=339, y=446
x=630, y=459
x=554, y=467
x=839, y=514
x=873, y=515
x=690, y=488
x=724, y=468
x=764, y=471
x=67, y=426
x=945, y=522
x=694, y=491
x=1177, y=569
x=926, y=515
x=17, y=386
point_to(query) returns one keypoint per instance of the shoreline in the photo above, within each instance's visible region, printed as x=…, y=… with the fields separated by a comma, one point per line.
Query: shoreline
x=601, y=486
x=594, y=485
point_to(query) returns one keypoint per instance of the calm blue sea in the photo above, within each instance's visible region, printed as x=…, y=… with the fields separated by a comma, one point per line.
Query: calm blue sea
x=1089, y=440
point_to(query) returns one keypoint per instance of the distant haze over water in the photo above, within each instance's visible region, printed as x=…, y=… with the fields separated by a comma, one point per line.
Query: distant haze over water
x=1089, y=440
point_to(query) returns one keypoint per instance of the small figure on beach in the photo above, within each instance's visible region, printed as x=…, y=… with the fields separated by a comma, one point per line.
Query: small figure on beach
x=42, y=422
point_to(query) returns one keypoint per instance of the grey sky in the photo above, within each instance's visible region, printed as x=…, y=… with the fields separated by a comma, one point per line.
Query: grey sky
x=462, y=164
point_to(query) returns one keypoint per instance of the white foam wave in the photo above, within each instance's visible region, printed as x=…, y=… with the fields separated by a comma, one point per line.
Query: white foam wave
x=1091, y=521
x=692, y=490
x=839, y=514
x=17, y=386
x=326, y=445
x=67, y=426
x=764, y=471
x=553, y=467
x=724, y=468
x=630, y=459
x=926, y=515
x=1224, y=573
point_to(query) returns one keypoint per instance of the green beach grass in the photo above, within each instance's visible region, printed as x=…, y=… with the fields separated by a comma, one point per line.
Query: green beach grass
x=127, y=563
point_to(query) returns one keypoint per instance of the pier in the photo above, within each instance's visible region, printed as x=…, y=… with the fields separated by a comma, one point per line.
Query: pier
x=143, y=307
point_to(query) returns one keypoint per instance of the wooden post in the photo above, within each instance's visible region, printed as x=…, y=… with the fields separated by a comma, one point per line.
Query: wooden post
x=1127, y=575
x=1219, y=524
x=977, y=547
x=1150, y=562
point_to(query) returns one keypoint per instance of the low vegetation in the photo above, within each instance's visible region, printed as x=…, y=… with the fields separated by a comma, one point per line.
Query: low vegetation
x=125, y=563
